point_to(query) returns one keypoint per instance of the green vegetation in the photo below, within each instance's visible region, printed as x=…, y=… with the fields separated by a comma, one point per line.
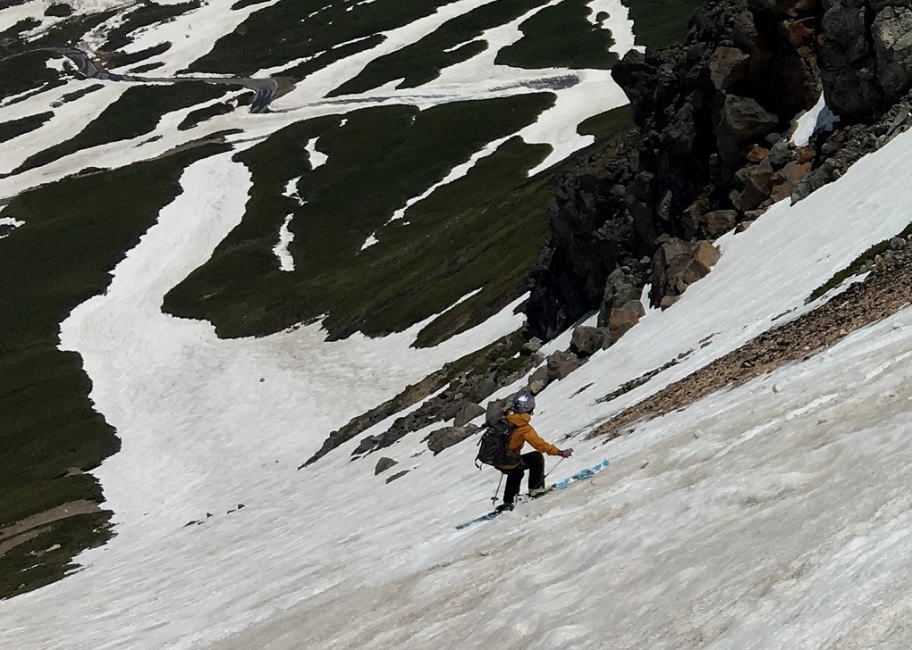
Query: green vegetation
x=76, y=231
x=202, y=114
x=15, y=128
x=659, y=23
x=453, y=42
x=857, y=265
x=561, y=37
x=607, y=125
x=135, y=113
x=25, y=72
x=466, y=235
x=119, y=59
x=78, y=94
x=296, y=29
x=59, y=10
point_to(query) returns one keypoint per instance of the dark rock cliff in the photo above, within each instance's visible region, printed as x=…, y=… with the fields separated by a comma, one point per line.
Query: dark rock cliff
x=711, y=148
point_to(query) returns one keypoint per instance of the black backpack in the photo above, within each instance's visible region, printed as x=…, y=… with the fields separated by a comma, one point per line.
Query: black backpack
x=492, y=448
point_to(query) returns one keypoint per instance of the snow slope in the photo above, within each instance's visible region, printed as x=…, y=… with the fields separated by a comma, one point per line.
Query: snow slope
x=773, y=515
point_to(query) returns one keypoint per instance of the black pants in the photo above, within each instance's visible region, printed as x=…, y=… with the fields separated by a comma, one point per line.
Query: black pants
x=534, y=461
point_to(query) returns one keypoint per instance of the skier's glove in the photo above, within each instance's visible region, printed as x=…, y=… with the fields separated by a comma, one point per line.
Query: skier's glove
x=566, y=453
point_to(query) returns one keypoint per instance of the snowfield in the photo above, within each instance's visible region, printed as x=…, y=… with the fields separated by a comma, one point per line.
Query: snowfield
x=773, y=515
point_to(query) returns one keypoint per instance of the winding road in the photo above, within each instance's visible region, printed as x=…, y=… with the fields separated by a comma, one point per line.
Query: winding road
x=266, y=89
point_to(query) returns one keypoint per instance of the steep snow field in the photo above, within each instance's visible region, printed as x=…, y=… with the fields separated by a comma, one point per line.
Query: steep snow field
x=773, y=515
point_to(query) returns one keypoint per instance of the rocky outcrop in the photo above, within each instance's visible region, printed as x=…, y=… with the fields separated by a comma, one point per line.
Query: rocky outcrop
x=865, y=55
x=467, y=382
x=707, y=112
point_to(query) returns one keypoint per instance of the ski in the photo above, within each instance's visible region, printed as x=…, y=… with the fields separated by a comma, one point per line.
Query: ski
x=581, y=475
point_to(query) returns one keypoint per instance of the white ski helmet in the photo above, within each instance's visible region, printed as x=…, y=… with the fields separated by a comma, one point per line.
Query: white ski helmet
x=524, y=402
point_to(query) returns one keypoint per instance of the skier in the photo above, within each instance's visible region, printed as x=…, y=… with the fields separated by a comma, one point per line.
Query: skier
x=519, y=416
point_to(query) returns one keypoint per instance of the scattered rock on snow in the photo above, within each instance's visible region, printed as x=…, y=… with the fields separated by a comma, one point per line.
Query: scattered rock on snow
x=467, y=412
x=538, y=381
x=448, y=436
x=397, y=476
x=383, y=464
x=561, y=364
x=586, y=340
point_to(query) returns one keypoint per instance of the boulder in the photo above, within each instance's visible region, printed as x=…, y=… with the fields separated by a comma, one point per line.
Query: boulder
x=367, y=444
x=538, y=381
x=780, y=154
x=892, y=37
x=440, y=439
x=718, y=222
x=677, y=265
x=727, y=66
x=561, y=364
x=383, y=464
x=756, y=153
x=705, y=256
x=496, y=409
x=742, y=120
x=623, y=291
x=758, y=183
x=586, y=340
x=467, y=412
x=621, y=319
x=532, y=346
x=795, y=172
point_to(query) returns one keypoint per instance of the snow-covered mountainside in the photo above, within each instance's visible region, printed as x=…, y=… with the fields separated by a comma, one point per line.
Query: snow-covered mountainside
x=218, y=320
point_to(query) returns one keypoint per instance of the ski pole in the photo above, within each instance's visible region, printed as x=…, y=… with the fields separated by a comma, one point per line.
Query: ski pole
x=494, y=498
x=555, y=466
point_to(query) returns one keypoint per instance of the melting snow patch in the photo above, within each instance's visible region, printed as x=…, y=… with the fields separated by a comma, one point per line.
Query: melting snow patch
x=291, y=190
x=8, y=225
x=370, y=241
x=286, y=261
x=618, y=22
x=819, y=118
x=317, y=158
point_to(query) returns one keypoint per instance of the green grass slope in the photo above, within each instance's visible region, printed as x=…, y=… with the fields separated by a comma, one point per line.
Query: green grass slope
x=562, y=37
x=377, y=161
x=453, y=42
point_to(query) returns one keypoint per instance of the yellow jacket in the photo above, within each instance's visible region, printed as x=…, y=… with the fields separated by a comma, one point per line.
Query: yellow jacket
x=522, y=434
